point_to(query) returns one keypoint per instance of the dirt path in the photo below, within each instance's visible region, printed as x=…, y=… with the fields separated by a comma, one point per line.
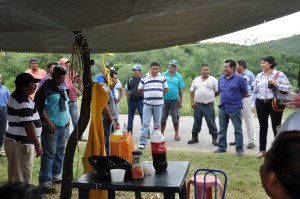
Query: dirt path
x=186, y=124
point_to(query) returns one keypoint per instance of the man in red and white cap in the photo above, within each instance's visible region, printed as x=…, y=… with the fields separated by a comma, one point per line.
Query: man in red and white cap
x=71, y=79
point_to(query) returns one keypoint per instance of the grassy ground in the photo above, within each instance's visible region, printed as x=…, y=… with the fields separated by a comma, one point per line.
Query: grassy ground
x=242, y=172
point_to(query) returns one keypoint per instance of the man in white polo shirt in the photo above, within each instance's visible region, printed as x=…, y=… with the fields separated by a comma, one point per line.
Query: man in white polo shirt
x=202, y=93
x=153, y=85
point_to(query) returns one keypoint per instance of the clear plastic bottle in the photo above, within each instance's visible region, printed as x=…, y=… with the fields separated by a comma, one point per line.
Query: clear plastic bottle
x=117, y=131
x=159, y=151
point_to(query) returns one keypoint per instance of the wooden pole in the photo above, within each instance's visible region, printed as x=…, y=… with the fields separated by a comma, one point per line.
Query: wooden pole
x=67, y=177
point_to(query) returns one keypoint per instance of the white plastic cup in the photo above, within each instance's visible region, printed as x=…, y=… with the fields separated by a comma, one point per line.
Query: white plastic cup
x=117, y=175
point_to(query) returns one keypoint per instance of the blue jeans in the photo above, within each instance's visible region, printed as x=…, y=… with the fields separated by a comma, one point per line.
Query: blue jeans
x=148, y=112
x=53, y=145
x=208, y=111
x=73, y=109
x=132, y=106
x=235, y=118
x=3, y=123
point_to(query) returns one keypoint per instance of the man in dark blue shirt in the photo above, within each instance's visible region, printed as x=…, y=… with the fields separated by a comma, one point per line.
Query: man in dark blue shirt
x=134, y=98
x=232, y=89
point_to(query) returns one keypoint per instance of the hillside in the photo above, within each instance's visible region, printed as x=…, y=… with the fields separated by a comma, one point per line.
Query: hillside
x=288, y=45
x=189, y=57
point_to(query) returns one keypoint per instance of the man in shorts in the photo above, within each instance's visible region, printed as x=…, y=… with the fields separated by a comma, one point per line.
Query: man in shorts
x=173, y=98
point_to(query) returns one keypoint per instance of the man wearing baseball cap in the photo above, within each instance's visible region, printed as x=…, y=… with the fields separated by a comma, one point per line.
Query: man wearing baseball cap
x=73, y=95
x=173, y=98
x=133, y=96
x=24, y=129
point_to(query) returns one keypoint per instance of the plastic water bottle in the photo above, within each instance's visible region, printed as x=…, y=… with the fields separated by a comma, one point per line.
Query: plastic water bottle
x=159, y=151
x=117, y=131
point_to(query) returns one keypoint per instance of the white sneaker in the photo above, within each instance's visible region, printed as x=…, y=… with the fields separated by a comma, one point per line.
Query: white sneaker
x=141, y=146
x=260, y=154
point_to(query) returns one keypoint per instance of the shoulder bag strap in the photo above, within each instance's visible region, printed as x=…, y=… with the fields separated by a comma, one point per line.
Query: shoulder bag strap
x=277, y=74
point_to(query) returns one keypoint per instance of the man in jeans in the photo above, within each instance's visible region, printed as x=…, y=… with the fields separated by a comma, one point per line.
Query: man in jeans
x=134, y=98
x=52, y=103
x=153, y=85
x=173, y=98
x=4, y=95
x=232, y=89
x=202, y=93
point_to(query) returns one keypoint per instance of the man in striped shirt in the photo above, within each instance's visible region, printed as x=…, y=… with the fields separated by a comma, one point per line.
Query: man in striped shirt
x=153, y=85
x=24, y=128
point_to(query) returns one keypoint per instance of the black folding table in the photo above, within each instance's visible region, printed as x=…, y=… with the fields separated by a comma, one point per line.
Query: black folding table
x=169, y=182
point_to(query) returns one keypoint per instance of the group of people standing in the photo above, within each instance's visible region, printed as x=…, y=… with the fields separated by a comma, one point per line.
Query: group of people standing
x=241, y=94
x=144, y=93
x=40, y=107
x=154, y=95
x=42, y=104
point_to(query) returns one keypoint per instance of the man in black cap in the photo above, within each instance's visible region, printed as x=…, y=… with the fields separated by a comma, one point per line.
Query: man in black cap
x=24, y=129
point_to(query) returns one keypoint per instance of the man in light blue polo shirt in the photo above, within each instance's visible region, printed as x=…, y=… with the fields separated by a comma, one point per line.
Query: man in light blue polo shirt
x=52, y=103
x=173, y=98
x=4, y=95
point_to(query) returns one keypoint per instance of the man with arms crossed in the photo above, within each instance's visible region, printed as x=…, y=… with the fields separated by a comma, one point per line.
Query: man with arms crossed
x=202, y=93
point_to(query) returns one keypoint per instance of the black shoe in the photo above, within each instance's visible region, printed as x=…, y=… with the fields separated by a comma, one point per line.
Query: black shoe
x=218, y=150
x=251, y=146
x=49, y=190
x=215, y=142
x=231, y=143
x=240, y=153
x=193, y=141
x=57, y=181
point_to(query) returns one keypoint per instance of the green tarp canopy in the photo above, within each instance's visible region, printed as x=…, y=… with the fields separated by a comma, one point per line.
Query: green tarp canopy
x=128, y=25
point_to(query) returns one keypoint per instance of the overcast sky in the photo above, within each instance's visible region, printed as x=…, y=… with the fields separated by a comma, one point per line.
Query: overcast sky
x=272, y=30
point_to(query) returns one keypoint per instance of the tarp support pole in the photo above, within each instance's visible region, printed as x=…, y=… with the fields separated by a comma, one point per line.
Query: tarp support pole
x=67, y=177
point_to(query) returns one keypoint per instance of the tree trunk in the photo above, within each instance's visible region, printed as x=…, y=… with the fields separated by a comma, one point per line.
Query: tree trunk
x=67, y=177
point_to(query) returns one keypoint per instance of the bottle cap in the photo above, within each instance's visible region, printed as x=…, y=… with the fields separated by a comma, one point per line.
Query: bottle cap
x=136, y=153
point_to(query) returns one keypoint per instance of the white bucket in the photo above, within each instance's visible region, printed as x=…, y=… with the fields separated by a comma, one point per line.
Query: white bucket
x=117, y=175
